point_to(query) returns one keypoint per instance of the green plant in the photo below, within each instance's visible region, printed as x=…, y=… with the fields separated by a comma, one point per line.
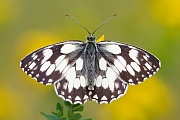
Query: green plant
x=71, y=113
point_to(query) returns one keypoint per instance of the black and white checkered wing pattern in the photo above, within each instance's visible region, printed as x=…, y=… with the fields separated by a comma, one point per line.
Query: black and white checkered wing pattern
x=108, y=86
x=49, y=64
x=73, y=87
x=132, y=64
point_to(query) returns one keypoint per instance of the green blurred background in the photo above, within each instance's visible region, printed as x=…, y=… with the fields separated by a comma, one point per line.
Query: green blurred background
x=154, y=25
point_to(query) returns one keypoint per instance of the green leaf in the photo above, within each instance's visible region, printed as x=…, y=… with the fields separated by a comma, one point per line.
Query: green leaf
x=79, y=108
x=67, y=103
x=59, y=113
x=51, y=116
x=76, y=105
x=59, y=109
x=54, y=113
x=75, y=117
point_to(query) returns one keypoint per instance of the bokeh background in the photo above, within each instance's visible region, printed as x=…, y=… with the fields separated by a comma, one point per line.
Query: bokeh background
x=154, y=25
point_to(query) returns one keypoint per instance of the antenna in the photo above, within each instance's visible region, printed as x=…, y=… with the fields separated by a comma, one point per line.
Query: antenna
x=96, y=28
x=104, y=23
x=78, y=23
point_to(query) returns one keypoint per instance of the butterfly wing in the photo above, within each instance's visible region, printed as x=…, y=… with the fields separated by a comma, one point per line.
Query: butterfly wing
x=132, y=64
x=73, y=87
x=49, y=64
x=108, y=86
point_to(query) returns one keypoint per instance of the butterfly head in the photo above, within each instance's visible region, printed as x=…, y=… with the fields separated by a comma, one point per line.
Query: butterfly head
x=91, y=37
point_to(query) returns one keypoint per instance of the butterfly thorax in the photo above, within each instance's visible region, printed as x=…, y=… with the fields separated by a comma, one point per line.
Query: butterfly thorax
x=89, y=63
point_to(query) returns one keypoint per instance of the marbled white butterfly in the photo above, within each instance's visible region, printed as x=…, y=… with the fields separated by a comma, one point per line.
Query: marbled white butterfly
x=99, y=71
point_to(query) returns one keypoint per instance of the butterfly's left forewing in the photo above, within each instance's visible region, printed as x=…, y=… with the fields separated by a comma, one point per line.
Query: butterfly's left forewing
x=50, y=64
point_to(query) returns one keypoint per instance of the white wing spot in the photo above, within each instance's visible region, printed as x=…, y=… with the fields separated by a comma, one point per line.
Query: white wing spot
x=30, y=75
x=145, y=57
x=62, y=65
x=70, y=78
x=99, y=81
x=90, y=93
x=50, y=70
x=106, y=102
x=144, y=68
x=65, y=86
x=95, y=96
x=102, y=64
x=35, y=68
x=79, y=64
x=124, y=85
x=62, y=92
x=130, y=80
x=148, y=66
x=104, y=98
x=47, y=54
x=50, y=80
x=111, y=76
x=119, y=66
x=116, y=84
x=135, y=66
x=119, y=91
x=150, y=75
x=112, y=96
x=77, y=83
x=83, y=81
x=133, y=53
x=32, y=65
x=115, y=49
x=37, y=75
x=77, y=98
x=67, y=48
x=105, y=83
x=35, y=57
x=45, y=66
x=59, y=60
x=85, y=97
x=130, y=70
x=32, y=72
x=58, y=85
x=122, y=60
x=71, y=74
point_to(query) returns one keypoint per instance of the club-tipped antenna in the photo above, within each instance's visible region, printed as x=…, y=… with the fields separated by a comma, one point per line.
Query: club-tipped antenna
x=78, y=23
x=104, y=23
x=96, y=28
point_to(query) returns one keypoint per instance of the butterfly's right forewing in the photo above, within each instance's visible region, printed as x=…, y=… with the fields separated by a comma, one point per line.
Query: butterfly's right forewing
x=50, y=64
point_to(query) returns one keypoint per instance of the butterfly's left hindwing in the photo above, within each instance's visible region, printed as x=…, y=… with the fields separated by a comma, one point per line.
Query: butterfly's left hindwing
x=49, y=64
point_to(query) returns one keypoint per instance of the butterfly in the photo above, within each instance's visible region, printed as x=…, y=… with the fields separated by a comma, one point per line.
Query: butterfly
x=98, y=71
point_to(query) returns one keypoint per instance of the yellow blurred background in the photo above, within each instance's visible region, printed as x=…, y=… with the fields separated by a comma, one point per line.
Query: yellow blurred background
x=154, y=25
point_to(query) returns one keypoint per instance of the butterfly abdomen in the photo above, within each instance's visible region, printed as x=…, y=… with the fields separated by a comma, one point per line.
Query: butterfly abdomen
x=89, y=62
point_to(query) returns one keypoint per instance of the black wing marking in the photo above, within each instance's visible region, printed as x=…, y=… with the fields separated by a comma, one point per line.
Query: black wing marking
x=50, y=63
x=108, y=86
x=73, y=87
x=132, y=64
